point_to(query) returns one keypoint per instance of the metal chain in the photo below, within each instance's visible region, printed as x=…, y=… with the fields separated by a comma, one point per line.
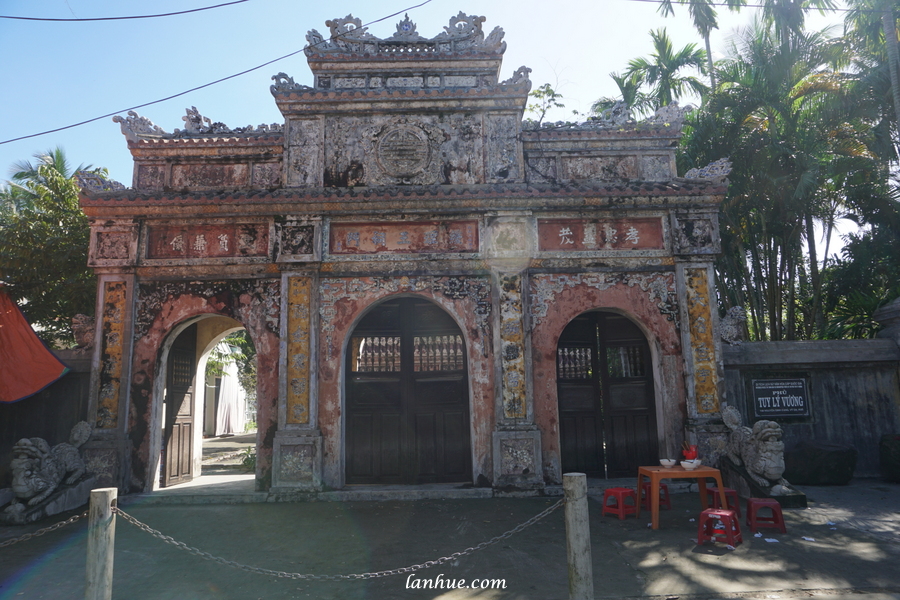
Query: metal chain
x=40, y=532
x=285, y=575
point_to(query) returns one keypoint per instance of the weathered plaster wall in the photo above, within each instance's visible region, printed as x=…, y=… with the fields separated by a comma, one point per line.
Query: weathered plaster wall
x=646, y=298
x=161, y=307
x=343, y=301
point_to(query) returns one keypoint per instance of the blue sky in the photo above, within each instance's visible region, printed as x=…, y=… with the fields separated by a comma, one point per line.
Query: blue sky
x=57, y=74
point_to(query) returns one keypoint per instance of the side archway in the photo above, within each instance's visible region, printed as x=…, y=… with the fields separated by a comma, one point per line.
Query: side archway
x=164, y=309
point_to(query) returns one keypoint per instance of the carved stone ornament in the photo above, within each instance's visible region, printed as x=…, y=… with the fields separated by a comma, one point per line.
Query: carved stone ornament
x=135, y=127
x=759, y=450
x=731, y=326
x=406, y=31
x=349, y=36
x=196, y=124
x=38, y=470
x=94, y=182
x=672, y=115
x=617, y=115
x=519, y=77
x=284, y=83
x=716, y=170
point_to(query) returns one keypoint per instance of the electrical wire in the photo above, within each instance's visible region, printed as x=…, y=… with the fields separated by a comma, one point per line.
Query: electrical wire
x=205, y=85
x=182, y=12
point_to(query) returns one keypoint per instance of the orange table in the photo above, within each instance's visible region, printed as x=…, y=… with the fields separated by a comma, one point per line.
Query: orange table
x=655, y=474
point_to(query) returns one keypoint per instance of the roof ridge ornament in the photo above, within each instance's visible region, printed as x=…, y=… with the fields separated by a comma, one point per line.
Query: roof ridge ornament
x=717, y=170
x=135, y=127
x=348, y=35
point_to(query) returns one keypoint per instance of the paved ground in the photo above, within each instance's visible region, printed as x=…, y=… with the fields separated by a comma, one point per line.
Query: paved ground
x=852, y=551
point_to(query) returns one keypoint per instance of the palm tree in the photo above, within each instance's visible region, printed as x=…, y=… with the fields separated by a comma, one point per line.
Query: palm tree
x=629, y=85
x=704, y=17
x=663, y=70
x=24, y=173
x=785, y=116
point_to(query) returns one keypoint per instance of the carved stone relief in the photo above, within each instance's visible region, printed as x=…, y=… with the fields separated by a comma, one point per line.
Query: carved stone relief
x=304, y=153
x=517, y=457
x=296, y=240
x=264, y=293
x=695, y=236
x=502, y=148
x=512, y=341
x=702, y=340
x=113, y=343
x=298, y=349
x=660, y=289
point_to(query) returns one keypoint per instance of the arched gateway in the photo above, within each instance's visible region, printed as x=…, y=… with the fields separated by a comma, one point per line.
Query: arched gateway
x=404, y=209
x=607, y=408
x=407, y=397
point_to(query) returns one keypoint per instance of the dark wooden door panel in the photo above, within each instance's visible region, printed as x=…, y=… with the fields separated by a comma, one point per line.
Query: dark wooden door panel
x=407, y=397
x=178, y=426
x=606, y=403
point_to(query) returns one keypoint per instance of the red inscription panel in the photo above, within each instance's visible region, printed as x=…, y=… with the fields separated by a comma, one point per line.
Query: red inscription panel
x=600, y=234
x=208, y=241
x=404, y=237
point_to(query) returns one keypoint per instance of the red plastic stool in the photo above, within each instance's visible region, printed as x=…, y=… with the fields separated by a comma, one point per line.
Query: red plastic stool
x=731, y=496
x=707, y=530
x=664, y=500
x=755, y=520
x=619, y=494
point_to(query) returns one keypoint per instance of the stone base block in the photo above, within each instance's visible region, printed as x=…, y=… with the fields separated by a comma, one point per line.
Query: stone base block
x=818, y=463
x=889, y=451
x=517, y=459
x=65, y=498
x=297, y=461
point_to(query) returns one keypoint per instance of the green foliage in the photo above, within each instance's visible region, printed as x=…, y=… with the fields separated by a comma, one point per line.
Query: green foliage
x=235, y=348
x=800, y=132
x=662, y=71
x=43, y=246
x=545, y=98
x=248, y=459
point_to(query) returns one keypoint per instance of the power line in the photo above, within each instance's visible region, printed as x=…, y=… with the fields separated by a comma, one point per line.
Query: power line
x=862, y=10
x=205, y=85
x=182, y=12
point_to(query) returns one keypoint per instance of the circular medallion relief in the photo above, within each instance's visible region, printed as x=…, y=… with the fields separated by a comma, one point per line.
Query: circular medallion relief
x=403, y=151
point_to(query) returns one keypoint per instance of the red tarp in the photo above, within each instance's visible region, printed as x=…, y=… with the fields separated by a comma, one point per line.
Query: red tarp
x=26, y=366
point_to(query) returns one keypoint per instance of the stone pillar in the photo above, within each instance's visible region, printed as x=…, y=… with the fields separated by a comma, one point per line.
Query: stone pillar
x=297, y=451
x=516, y=441
x=105, y=453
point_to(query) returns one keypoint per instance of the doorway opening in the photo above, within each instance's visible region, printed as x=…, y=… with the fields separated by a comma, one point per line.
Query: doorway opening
x=208, y=413
x=407, y=397
x=607, y=409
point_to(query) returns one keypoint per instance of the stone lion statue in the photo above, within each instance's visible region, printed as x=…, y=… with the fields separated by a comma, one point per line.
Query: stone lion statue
x=38, y=469
x=759, y=450
x=83, y=330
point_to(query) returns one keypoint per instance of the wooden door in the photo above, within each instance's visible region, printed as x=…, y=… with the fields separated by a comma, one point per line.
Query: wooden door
x=607, y=410
x=178, y=418
x=407, y=397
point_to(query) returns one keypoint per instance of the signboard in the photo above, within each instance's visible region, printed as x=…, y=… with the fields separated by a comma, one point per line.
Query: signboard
x=600, y=234
x=780, y=398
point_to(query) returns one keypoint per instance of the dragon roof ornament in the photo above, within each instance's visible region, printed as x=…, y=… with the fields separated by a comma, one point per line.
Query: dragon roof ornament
x=348, y=35
x=619, y=116
x=95, y=182
x=135, y=127
x=716, y=170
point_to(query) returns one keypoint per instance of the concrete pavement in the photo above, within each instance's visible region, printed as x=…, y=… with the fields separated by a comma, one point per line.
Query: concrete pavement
x=847, y=545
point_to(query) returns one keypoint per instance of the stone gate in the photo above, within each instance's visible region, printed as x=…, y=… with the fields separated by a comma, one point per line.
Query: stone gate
x=437, y=290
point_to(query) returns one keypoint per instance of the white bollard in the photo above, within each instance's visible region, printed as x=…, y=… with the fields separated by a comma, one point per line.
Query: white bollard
x=101, y=544
x=578, y=537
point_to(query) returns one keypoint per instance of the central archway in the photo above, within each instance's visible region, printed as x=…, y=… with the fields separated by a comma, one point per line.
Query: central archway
x=407, y=397
x=607, y=410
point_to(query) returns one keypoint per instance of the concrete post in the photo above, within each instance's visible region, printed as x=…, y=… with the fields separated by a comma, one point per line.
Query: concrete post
x=578, y=537
x=100, y=544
